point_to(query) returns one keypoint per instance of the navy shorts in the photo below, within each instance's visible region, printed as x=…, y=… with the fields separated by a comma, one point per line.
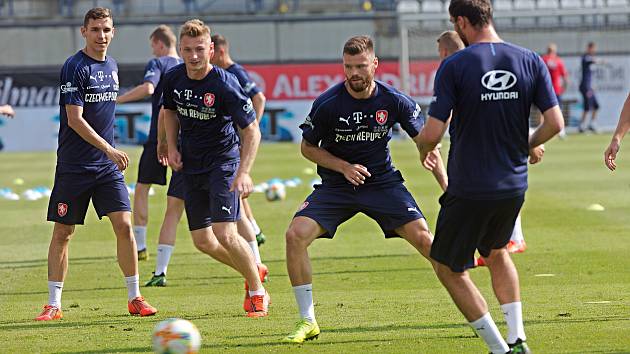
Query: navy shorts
x=466, y=225
x=208, y=198
x=75, y=186
x=150, y=170
x=176, y=186
x=589, y=99
x=390, y=205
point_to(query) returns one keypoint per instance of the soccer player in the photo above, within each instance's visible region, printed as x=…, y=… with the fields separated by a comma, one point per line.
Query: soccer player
x=346, y=134
x=207, y=102
x=449, y=42
x=223, y=60
x=490, y=86
x=88, y=164
x=622, y=128
x=7, y=110
x=558, y=72
x=586, y=89
x=150, y=170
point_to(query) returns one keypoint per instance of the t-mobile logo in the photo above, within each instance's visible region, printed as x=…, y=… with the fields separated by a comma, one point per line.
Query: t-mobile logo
x=188, y=94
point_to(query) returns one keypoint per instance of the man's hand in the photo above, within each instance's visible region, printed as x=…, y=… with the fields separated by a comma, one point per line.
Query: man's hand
x=611, y=154
x=120, y=158
x=243, y=184
x=162, y=153
x=430, y=160
x=356, y=174
x=175, y=159
x=536, y=154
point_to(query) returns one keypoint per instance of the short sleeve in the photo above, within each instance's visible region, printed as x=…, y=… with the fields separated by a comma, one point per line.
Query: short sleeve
x=314, y=125
x=237, y=104
x=167, y=94
x=410, y=115
x=153, y=72
x=74, y=79
x=443, y=99
x=249, y=86
x=545, y=96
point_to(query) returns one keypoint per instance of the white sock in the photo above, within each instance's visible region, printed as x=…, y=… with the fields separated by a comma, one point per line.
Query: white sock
x=304, y=299
x=140, y=234
x=513, y=313
x=255, y=226
x=133, y=286
x=54, y=293
x=163, y=258
x=254, y=246
x=487, y=329
x=517, y=233
x=260, y=292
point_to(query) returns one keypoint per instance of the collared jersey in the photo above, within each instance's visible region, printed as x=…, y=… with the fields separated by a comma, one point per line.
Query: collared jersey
x=154, y=73
x=93, y=85
x=206, y=110
x=248, y=85
x=490, y=87
x=358, y=130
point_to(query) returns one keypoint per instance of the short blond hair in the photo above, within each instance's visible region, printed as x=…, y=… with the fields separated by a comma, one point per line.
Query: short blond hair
x=451, y=41
x=194, y=28
x=164, y=34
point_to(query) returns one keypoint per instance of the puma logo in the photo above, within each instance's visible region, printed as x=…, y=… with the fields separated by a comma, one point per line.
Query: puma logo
x=228, y=210
x=412, y=209
x=346, y=120
x=93, y=78
x=179, y=94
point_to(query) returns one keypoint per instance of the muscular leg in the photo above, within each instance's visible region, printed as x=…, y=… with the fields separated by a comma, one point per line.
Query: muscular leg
x=417, y=233
x=206, y=242
x=58, y=252
x=125, y=243
x=174, y=211
x=141, y=204
x=301, y=233
x=247, y=209
x=239, y=252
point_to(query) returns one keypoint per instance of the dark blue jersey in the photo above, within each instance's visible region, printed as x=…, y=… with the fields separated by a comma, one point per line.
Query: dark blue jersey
x=93, y=85
x=246, y=82
x=587, y=72
x=154, y=73
x=358, y=130
x=490, y=88
x=206, y=110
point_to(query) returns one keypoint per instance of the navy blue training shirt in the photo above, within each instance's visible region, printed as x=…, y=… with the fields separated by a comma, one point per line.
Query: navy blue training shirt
x=587, y=71
x=154, y=73
x=206, y=110
x=246, y=82
x=490, y=88
x=93, y=85
x=358, y=130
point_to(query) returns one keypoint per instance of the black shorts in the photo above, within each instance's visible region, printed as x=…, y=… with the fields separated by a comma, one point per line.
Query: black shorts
x=208, y=198
x=75, y=187
x=466, y=225
x=150, y=170
x=589, y=99
x=176, y=186
x=390, y=205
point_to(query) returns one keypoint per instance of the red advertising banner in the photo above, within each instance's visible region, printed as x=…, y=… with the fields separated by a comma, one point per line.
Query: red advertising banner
x=307, y=81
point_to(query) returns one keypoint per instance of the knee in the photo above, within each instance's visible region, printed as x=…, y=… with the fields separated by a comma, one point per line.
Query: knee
x=295, y=239
x=62, y=234
x=228, y=239
x=123, y=230
x=205, y=245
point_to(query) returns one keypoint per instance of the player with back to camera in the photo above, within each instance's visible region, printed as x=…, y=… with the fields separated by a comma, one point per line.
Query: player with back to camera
x=150, y=170
x=206, y=102
x=88, y=164
x=449, y=43
x=490, y=86
x=346, y=134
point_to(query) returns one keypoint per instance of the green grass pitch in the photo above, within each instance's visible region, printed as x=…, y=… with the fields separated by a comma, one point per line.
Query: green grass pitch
x=371, y=295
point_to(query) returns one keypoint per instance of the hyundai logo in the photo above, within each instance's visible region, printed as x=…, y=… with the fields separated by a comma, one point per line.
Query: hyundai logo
x=498, y=80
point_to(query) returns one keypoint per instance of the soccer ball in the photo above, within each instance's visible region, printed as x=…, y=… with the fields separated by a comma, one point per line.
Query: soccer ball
x=275, y=191
x=176, y=336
